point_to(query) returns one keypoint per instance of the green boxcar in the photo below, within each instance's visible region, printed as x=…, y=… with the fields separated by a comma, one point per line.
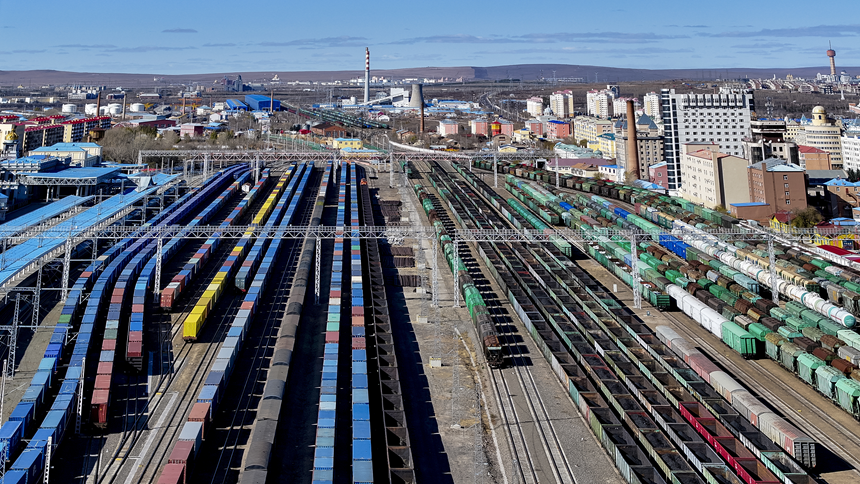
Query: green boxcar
x=826, y=378
x=739, y=339
x=759, y=331
x=848, y=396
x=806, y=366
x=788, y=354
x=772, y=343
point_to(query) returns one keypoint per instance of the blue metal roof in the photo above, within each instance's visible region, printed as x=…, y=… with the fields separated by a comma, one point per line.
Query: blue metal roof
x=30, y=219
x=749, y=204
x=78, y=173
x=21, y=256
x=841, y=182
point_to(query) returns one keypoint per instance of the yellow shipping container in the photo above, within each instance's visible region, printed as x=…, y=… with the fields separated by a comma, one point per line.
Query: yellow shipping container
x=191, y=326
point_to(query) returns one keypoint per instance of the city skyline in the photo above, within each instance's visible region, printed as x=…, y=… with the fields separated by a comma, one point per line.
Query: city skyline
x=187, y=40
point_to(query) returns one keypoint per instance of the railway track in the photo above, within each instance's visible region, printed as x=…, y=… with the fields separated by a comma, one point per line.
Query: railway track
x=264, y=335
x=845, y=444
x=138, y=436
x=533, y=440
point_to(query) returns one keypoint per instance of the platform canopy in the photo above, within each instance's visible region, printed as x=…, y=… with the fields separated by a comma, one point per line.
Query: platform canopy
x=71, y=177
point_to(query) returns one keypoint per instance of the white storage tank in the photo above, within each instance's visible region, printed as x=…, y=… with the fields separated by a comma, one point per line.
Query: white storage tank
x=104, y=111
x=90, y=109
x=69, y=108
x=137, y=107
x=114, y=109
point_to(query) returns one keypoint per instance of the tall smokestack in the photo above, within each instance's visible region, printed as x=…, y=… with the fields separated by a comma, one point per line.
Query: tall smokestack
x=366, y=74
x=632, y=150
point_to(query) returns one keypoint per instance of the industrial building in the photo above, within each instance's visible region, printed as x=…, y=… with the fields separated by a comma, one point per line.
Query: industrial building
x=257, y=102
x=81, y=154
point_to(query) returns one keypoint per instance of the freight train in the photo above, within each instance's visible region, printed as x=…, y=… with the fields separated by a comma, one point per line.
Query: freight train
x=602, y=309
x=734, y=335
x=195, y=429
x=478, y=311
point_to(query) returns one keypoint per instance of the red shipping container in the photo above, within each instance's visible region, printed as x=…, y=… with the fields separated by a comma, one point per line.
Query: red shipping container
x=357, y=320
x=181, y=453
x=359, y=343
x=358, y=311
x=105, y=368
x=102, y=382
x=86, y=274
x=331, y=337
x=338, y=252
x=137, y=308
x=98, y=409
x=248, y=263
x=109, y=345
x=135, y=349
x=333, y=293
x=200, y=413
x=135, y=336
x=116, y=299
x=247, y=305
x=167, y=296
x=172, y=474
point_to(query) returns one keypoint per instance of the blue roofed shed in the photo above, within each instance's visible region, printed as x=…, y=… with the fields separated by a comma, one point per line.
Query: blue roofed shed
x=258, y=102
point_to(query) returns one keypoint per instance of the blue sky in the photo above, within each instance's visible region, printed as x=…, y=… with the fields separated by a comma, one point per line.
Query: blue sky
x=177, y=37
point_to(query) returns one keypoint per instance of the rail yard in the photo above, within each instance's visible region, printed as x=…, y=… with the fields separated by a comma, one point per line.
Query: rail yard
x=468, y=321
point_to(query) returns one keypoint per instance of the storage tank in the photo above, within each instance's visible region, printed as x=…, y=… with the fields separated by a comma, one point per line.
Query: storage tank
x=90, y=109
x=103, y=111
x=69, y=108
x=114, y=109
x=137, y=107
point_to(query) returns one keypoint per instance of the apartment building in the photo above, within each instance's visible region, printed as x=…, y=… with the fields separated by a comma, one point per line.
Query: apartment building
x=589, y=128
x=712, y=178
x=778, y=184
x=851, y=152
x=723, y=119
x=599, y=103
x=561, y=103
x=534, y=106
x=651, y=105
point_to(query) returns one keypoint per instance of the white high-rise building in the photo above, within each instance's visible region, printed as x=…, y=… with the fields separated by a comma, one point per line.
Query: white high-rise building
x=651, y=104
x=722, y=118
x=561, y=103
x=851, y=152
x=534, y=106
x=599, y=103
x=619, y=105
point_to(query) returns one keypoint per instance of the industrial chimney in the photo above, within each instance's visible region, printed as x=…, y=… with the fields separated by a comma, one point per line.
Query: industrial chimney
x=366, y=74
x=632, y=149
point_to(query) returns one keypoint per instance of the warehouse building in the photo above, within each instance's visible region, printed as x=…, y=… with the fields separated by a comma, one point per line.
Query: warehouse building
x=257, y=102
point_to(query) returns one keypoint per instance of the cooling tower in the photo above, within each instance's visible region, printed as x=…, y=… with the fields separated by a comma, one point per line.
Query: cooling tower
x=417, y=98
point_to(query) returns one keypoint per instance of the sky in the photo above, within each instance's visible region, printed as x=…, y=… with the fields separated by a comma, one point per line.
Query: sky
x=183, y=37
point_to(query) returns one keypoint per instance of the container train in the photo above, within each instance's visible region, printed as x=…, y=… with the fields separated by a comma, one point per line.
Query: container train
x=195, y=429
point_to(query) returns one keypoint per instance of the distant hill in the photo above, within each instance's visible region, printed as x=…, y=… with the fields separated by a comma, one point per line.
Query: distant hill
x=524, y=72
